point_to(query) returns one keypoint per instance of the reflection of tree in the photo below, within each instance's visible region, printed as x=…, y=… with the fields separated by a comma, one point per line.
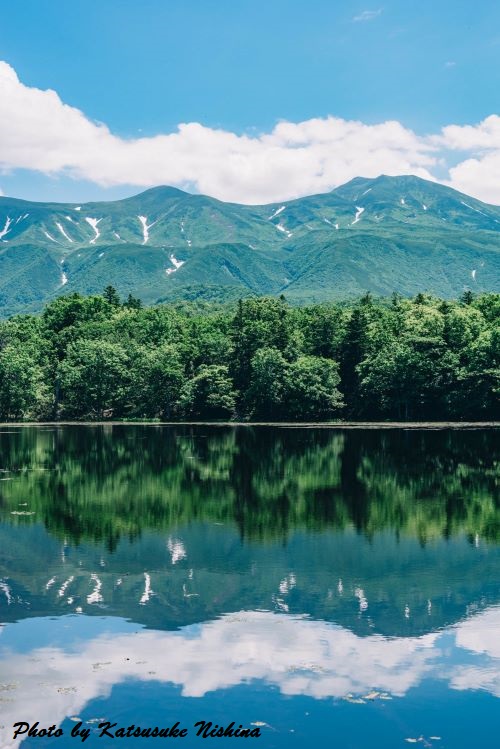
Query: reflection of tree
x=103, y=483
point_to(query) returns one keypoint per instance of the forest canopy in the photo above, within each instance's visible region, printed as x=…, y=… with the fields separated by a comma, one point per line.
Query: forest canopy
x=96, y=357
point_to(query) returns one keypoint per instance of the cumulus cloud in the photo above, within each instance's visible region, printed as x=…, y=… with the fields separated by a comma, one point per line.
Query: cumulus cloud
x=477, y=174
x=38, y=131
x=367, y=15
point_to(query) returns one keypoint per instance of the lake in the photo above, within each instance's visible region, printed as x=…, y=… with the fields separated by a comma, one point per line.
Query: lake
x=339, y=587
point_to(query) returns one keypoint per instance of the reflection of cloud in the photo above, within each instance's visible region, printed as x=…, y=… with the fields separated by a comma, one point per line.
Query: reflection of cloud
x=480, y=634
x=294, y=654
x=473, y=677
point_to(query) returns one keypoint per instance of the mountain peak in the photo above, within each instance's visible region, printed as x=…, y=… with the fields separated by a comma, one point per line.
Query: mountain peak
x=381, y=234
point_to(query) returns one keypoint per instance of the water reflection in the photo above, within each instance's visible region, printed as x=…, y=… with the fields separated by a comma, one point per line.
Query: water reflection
x=201, y=571
x=105, y=482
x=295, y=655
x=262, y=567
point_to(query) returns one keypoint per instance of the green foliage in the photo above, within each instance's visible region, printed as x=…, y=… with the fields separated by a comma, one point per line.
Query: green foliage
x=157, y=380
x=312, y=391
x=94, y=378
x=266, y=394
x=21, y=384
x=261, y=359
x=209, y=394
x=110, y=294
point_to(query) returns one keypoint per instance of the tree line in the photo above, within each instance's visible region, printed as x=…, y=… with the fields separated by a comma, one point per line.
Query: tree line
x=96, y=357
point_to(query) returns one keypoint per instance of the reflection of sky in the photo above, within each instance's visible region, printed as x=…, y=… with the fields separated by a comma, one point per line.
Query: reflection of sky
x=296, y=655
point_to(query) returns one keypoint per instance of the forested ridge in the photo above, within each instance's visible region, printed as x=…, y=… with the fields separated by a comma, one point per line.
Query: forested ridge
x=96, y=357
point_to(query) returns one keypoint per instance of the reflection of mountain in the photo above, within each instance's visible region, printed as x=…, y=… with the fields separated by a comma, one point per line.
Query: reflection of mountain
x=380, y=532
x=71, y=664
x=102, y=483
x=199, y=572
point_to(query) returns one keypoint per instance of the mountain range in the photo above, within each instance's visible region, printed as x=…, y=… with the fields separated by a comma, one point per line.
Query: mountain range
x=382, y=235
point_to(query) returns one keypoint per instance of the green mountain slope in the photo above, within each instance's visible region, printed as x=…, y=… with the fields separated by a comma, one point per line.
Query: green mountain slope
x=382, y=235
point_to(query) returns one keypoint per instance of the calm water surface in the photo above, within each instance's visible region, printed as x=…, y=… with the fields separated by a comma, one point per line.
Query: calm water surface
x=326, y=586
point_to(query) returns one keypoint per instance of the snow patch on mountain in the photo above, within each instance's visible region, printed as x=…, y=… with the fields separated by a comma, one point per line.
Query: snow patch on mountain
x=280, y=227
x=176, y=263
x=49, y=236
x=145, y=227
x=6, y=227
x=93, y=223
x=474, y=209
x=277, y=212
x=359, y=211
x=61, y=229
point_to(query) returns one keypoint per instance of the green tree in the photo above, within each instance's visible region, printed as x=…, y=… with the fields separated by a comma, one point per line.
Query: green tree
x=267, y=384
x=156, y=382
x=352, y=352
x=132, y=302
x=312, y=389
x=110, y=294
x=21, y=386
x=260, y=323
x=94, y=379
x=210, y=394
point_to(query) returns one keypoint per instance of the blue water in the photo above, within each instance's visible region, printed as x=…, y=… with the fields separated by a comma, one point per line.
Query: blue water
x=316, y=602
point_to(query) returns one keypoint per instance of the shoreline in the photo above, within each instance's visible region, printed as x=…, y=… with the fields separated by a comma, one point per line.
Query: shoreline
x=274, y=424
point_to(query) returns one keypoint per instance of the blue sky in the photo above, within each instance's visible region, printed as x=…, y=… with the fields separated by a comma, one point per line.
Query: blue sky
x=141, y=68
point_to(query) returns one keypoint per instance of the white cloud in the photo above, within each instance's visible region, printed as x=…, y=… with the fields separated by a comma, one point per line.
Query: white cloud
x=38, y=131
x=477, y=174
x=367, y=15
x=485, y=135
